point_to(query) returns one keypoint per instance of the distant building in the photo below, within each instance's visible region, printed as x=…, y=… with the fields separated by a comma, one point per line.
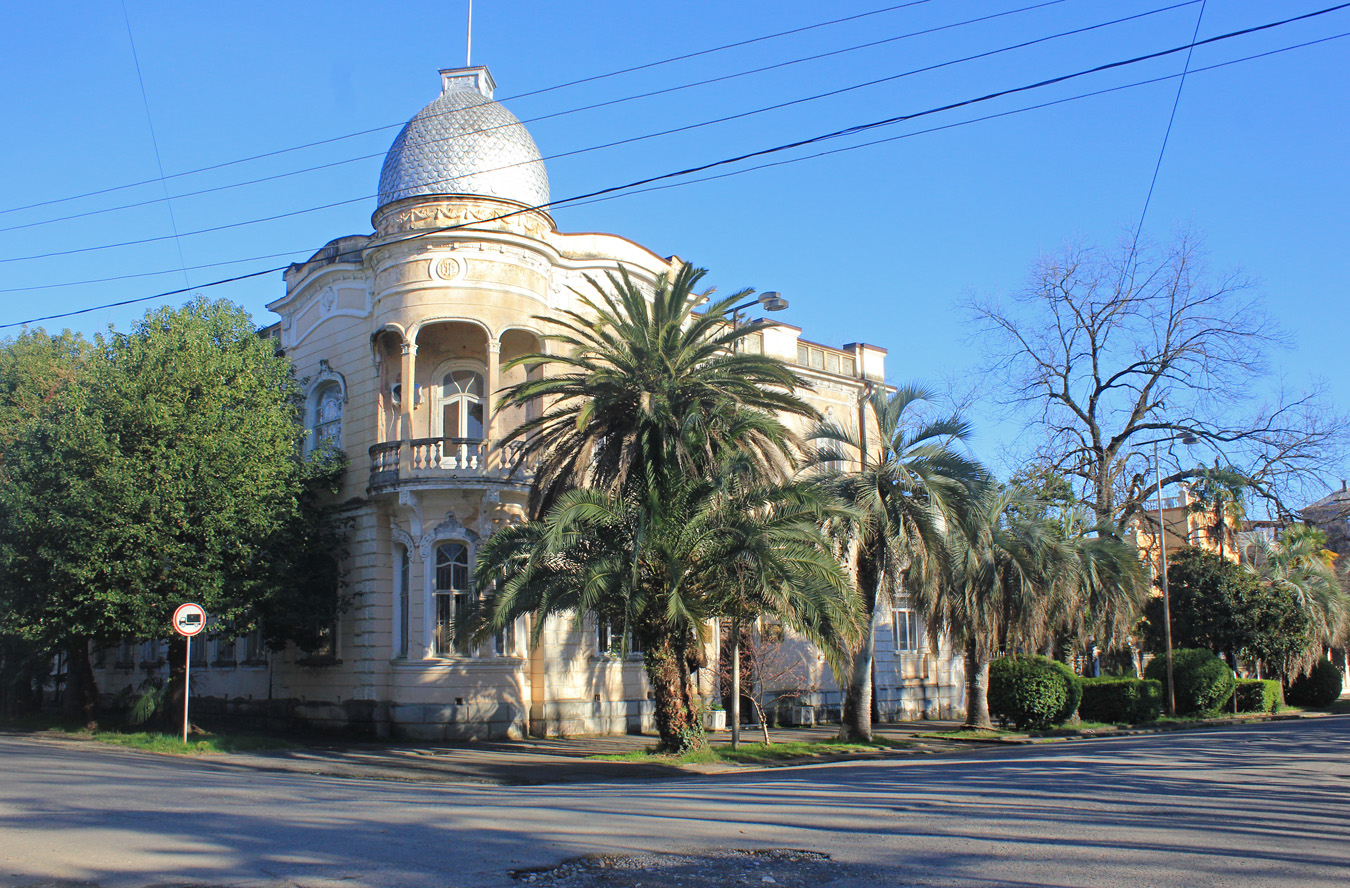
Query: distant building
x=402, y=337
x=1331, y=515
x=1185, y=523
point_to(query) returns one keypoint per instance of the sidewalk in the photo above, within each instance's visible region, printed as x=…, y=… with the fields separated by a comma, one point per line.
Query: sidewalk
x=535, y=760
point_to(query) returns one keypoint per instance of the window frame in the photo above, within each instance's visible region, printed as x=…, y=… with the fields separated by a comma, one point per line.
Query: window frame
x=904, y=614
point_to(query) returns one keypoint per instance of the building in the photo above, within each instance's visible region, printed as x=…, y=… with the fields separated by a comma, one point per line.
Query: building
x=402, y=336
x=1185, y=523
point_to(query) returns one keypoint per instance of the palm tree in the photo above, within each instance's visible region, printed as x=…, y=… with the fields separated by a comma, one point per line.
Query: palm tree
x=903, y=485
x=1218, y=493
x=1099, y=591
x=645, y=383
x=1299, y=564
x=648, y=405
x=996, y=595
x=663, y=561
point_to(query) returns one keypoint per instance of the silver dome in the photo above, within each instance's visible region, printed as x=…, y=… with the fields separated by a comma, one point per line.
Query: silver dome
x=464, y=143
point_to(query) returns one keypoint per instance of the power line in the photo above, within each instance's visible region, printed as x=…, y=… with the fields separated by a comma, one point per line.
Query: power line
x=1162, y=149
x=627, y=141
x=399, y=124
x=614, y=190
x=583, y=108
x=150, y=122
x=309, y=250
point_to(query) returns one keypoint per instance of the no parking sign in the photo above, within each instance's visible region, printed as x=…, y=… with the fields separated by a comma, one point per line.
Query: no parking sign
x=188, y=620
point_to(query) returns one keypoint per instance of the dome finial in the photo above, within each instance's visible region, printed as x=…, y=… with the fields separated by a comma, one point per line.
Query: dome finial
x=468, y=39
x=476, y=78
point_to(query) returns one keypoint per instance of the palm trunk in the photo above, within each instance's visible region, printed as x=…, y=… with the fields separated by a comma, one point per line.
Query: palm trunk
x=676, y=721
x=977, y=688
x=736, y=684
x=855, y=722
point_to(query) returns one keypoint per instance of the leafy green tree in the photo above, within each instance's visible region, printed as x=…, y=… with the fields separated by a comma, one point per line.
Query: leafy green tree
x=902, y=483
x=651, y=417
x=1219, y=606
x=164, y=470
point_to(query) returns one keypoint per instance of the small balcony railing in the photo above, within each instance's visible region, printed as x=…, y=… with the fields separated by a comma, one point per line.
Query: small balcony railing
x=429, y=458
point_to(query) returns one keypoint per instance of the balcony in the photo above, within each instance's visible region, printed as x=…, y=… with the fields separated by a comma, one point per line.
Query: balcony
x=441, y=459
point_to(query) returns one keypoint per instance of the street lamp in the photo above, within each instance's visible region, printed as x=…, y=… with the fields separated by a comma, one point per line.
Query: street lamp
x=1185, y=438
x=770, y=300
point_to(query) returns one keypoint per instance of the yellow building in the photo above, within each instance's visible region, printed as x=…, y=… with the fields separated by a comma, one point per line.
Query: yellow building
x=401, y=337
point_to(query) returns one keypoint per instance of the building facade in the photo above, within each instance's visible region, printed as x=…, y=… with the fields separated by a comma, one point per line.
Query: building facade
x=402, y=337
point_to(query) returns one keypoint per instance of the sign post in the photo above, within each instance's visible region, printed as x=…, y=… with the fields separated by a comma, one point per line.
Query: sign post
x=188, y=620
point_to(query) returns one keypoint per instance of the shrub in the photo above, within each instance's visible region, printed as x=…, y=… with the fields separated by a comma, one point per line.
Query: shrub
x=1258, y=695
x=1320, y=687
x=1203, y=681
x=1129, y=701
x=1073, y=695
x=1031, y=692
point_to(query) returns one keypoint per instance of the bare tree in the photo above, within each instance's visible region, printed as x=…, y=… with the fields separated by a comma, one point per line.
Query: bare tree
x=1106, y=352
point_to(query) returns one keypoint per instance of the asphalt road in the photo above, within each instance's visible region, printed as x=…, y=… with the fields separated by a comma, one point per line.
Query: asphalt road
x=1246, y=806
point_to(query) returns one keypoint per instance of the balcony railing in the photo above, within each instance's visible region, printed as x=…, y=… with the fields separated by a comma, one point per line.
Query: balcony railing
x=430, y=458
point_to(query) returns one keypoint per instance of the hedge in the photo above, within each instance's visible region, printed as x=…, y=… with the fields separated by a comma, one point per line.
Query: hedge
x=1257, y=695
x=1128, y=701
x=1074, y=695
x=1032, y=692
x=1203, y=681
x=1319, y=688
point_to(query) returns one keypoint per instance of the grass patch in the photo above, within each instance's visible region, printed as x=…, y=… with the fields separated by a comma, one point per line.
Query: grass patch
x=970, y=734
x=199, y=742
x=756, y=753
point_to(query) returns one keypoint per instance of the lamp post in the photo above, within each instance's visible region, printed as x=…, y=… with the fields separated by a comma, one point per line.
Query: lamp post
x=770, y=300
x=1162, y=553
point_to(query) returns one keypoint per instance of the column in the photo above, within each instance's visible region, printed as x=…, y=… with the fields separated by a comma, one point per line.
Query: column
x=409, y=396
x=491, y=430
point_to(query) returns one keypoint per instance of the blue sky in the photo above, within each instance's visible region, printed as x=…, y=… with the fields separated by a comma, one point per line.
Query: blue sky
x=880, y=244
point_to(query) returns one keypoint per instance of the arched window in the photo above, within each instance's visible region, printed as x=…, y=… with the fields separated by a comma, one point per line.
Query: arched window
x=452, y=596
x=326, y=417
x=461, y=404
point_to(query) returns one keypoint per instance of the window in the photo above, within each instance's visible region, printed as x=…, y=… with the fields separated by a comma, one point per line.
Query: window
x=451, y=595
x=126, y=654
x=197, y=654
x=908, y=630
x=225, y=651
x=402, y=571
x=461, y=407
x=253, y=647
x=504, y=642
x=609, y=638
x=326, y=421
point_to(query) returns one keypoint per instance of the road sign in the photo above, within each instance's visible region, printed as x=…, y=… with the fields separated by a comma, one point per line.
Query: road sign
x=189, y=619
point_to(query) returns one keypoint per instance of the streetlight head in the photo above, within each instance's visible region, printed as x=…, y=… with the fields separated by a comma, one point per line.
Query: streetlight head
x=772, y=301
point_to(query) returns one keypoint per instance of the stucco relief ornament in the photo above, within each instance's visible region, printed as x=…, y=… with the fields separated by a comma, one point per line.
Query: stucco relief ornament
x=449, y=529
x=446, y=269
x=328, y=299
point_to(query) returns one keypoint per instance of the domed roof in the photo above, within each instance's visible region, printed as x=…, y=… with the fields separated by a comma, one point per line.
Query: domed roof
x=464, y=143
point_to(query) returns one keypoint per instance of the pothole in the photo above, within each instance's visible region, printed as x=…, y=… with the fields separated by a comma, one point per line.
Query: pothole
x=775, y=867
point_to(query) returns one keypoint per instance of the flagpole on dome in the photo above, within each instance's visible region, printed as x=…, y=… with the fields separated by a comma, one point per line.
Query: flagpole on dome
x=468, y=39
